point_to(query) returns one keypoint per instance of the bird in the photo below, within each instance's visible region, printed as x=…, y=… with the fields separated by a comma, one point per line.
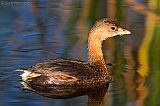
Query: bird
x=68, y=78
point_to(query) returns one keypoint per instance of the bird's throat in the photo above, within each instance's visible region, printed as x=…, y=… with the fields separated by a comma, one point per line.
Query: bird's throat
x=95, y=54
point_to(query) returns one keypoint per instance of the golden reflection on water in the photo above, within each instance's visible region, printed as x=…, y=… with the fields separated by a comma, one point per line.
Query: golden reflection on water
x=135, y=74
x=129, y=75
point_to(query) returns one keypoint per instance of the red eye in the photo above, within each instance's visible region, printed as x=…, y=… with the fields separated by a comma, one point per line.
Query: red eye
x=113, y=28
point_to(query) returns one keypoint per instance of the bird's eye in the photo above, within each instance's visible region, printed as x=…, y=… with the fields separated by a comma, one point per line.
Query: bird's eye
x=113, y=27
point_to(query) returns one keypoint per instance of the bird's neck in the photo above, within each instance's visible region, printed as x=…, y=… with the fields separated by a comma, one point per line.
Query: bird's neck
x=95, y=55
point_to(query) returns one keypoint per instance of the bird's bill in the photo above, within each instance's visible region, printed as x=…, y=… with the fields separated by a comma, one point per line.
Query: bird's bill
x=122, y=31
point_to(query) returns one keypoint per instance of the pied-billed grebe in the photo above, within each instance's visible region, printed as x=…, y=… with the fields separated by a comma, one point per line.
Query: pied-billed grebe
x=59, y=78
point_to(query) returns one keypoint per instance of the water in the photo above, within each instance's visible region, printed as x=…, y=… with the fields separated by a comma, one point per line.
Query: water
x=31, y=32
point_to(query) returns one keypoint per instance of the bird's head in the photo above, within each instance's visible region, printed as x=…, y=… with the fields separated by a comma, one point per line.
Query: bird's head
x=106, y=28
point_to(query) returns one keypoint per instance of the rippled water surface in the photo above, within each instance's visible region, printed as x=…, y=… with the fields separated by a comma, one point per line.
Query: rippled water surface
x=35, y=30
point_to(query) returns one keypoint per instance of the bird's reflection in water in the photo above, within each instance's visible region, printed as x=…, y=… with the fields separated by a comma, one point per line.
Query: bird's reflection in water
x=95, y=98
x=95, y=95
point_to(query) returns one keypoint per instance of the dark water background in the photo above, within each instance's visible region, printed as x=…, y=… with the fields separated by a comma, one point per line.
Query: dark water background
x=35, y=30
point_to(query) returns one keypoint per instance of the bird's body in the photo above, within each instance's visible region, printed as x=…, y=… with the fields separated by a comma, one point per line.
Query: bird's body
x=59, y=78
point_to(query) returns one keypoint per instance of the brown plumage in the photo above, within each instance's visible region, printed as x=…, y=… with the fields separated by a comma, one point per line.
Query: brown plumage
x=59, y=78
